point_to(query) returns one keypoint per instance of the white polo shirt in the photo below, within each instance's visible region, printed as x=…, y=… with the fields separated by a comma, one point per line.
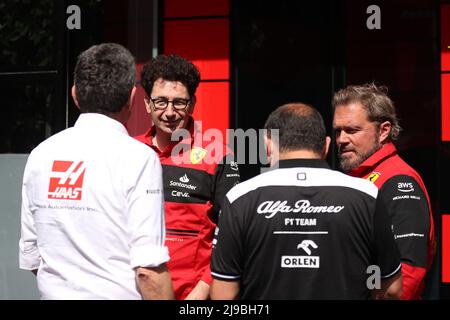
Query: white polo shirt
x=92, y=210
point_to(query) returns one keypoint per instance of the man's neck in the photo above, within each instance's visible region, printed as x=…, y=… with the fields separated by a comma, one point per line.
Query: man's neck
x=161, y=139
x=122, y=116
x=299, y=154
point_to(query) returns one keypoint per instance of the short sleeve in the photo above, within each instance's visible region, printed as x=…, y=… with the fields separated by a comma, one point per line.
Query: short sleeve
x=386, y=252
x=146, y=216
x=227, y=252
x=29, y=257
x=408, y=208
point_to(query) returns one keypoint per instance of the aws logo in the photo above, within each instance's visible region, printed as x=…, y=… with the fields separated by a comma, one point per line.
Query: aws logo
x=66, y=180
x=405, y=187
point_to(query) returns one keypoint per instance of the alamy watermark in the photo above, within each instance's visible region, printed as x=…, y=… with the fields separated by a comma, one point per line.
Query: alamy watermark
x=373, y=22
x=212, y=146
x=374, y=280
x=74, y=20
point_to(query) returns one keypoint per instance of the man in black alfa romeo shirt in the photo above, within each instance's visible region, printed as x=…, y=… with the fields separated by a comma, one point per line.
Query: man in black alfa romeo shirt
x=303, y=231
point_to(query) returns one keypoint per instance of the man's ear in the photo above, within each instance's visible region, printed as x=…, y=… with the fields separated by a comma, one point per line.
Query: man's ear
x=147, y=103
x=384, y=131
x=326, y=147
x=268, y=144
x=192, y=103
x=132, y=98
x=272, y=152
x=74, y=97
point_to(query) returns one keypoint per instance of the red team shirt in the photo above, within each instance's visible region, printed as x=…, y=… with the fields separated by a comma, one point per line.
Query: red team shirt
x=196, y=176
x=406, y=198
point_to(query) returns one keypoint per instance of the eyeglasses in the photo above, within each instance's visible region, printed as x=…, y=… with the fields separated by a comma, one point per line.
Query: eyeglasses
x=178, y=104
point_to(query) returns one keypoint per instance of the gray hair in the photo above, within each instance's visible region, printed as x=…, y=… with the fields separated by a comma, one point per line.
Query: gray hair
x=375, y=101
x=104, y=76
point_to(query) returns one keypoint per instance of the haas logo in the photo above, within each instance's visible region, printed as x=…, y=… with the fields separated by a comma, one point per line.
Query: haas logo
x=305, y=244
x=66, y=180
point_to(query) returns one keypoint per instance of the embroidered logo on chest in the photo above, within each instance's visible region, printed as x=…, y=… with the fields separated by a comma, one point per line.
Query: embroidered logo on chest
x=373, y=176
x=197, y=155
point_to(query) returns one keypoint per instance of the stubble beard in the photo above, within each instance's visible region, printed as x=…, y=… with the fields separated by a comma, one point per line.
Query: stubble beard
x=350, y=164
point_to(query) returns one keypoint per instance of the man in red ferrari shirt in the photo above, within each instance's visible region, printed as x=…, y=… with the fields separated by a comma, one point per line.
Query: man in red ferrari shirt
x=196, y=173
x=366, y=125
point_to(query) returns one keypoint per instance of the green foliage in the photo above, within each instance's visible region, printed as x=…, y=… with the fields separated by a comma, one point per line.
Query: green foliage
x=28, y=31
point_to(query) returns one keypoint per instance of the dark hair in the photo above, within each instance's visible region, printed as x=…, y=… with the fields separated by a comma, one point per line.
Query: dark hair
x=300, y=127
x=172, y=68
x=375, y=101
x=104, y=76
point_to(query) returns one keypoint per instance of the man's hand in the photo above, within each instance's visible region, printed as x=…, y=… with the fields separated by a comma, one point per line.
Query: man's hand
x=391, y=289
x=200, y=292
x=224, y=290
x=155, y=283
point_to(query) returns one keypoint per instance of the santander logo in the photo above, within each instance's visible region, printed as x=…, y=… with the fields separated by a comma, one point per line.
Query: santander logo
x=184, y=178
x=271, y=208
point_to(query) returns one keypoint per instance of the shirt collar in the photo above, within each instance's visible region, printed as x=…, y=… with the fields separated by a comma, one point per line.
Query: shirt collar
x=99, y=122
x=310, y=163
x=386, y=151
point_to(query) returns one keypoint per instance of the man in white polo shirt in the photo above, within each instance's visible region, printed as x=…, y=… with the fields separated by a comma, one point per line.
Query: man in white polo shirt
x=92, y=202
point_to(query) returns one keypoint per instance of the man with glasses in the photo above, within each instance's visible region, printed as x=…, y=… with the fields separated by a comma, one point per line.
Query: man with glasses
x=195, y=179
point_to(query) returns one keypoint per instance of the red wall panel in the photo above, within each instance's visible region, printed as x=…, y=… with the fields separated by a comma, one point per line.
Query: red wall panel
x=195, y=8
x=140, y=120
x=204, y=42
x=445, y=113
x=445, y=37
x=446, y=248
x=213, y=105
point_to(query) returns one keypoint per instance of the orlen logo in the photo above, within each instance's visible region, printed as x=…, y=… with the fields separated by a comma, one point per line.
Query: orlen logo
x=66, y=181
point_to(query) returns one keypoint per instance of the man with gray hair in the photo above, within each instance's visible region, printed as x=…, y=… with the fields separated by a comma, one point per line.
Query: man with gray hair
x=92, y=202
x=366, y=126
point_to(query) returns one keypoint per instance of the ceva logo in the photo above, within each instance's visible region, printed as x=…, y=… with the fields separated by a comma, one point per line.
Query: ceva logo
x=66, y=180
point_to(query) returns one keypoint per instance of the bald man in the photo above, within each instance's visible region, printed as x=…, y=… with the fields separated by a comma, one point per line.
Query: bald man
x=303, y=231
